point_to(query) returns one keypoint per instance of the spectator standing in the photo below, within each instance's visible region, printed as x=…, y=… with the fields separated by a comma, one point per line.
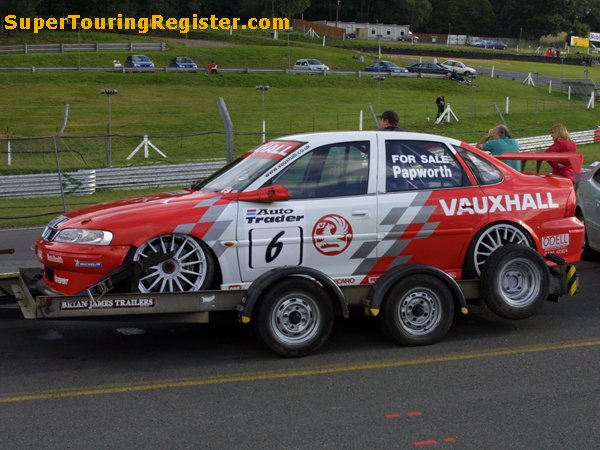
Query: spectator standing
x=212, y=67
x=562, y=144
x=441, y=103
x=498, y=141
x=388, y=121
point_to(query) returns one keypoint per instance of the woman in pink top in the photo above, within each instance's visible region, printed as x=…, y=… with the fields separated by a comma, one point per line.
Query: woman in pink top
x=562, y=144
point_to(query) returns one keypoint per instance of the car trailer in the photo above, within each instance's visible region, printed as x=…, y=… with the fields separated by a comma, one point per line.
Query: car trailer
x=292, y=307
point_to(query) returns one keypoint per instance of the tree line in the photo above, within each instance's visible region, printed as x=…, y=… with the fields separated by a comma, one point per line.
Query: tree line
x=526, y=18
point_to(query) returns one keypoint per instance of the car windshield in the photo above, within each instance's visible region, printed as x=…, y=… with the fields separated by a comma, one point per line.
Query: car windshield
x=236, y=176
x=314, y=62
x=184, y=59
x=140, y=58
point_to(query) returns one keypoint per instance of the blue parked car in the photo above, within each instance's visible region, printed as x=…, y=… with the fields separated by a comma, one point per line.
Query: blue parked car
x=183, y=62
x=490, y=44
x=139, y=62
x=385, y=66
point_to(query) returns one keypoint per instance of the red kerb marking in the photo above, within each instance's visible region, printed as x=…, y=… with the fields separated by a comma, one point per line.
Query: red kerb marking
x=414, y=414
x=392, y=416
x=449, y=440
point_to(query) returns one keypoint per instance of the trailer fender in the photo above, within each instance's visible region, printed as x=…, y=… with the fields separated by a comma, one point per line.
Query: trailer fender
x=267, y=279
x=392, y=276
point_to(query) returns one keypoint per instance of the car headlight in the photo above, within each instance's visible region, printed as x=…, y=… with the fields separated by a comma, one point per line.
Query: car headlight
x=83, y=236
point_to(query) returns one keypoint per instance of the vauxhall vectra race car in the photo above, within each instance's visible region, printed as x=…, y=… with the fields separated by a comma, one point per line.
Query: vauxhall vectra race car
x=352, y=205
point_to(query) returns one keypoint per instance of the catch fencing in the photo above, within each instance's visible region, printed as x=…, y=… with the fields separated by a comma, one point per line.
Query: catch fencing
x=87, y=181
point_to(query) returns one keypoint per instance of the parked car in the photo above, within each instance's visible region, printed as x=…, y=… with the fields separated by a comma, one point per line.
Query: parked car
x=310, y=64
x=588, y=210
x=139, y=61
x=408, y=38
x=429, y=67
x=459, y=67
x=489, y=44
x=183, y=62
x=385, y=66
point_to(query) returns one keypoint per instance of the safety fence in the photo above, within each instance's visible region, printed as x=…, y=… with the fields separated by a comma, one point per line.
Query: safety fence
x=83, y=47
x=85, y=182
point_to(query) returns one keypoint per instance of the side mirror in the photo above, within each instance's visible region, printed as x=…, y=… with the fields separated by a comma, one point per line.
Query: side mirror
x=267, y=194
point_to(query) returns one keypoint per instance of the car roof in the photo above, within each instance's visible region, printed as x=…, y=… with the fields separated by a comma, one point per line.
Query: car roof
x=365, y=135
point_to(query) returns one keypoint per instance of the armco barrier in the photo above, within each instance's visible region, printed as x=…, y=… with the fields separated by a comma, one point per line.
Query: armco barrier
x=154, y=176
x=85, y=182
x=82, y=182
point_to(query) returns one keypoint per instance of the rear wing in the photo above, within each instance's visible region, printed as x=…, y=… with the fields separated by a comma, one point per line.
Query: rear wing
x=576, y=159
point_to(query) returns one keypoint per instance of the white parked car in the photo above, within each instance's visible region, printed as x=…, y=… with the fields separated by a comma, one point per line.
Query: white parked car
x=310, y=64
x=460, y=67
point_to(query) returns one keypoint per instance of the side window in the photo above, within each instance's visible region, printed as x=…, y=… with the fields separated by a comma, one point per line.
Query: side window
x=485, y=172
x=335, y=170
x=597, y=176
x=416, y=165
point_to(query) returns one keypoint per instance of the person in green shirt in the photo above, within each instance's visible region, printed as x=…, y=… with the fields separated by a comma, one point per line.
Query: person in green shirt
x=498, y=141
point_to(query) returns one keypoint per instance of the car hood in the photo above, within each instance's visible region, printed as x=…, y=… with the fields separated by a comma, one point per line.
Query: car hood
x=137, y=218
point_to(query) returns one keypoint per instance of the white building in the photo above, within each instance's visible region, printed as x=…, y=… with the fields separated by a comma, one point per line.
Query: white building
x=374, y=31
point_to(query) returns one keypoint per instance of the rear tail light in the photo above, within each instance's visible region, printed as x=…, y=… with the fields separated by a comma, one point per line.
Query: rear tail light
x=571, y=204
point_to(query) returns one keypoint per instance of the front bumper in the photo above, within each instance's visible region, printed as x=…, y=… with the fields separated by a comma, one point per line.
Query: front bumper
x=72, y=268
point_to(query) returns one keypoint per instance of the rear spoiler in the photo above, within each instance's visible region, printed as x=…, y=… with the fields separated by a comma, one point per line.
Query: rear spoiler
x=576, y=159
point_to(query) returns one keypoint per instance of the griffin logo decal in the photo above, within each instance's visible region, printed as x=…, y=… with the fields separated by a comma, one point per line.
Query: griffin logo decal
x=332, y=234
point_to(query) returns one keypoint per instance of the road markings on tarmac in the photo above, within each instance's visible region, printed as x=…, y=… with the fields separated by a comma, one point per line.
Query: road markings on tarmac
x=153, y=385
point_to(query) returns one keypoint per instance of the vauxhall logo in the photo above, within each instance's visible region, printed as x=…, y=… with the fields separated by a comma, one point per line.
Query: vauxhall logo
x=498, y=203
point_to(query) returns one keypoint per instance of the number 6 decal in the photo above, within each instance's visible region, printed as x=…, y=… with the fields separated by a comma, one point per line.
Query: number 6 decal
x=274, y=248
x=270, y=247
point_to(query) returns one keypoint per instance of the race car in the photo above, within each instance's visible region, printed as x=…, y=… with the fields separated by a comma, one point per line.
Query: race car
x=353, y=205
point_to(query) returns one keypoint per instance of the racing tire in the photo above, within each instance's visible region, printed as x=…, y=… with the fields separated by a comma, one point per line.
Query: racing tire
x=190, y=269
x=515, y=282
x=294, y=318
x=489, y=240
x=418, y=310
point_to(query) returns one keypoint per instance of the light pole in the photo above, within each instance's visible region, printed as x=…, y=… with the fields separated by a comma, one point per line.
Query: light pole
x=263, y=88
x=109, y=93
x=337, y=12
x=520, y=36
x=449, y=33
x=288, y=31
x=379, y=79
x=379, y=36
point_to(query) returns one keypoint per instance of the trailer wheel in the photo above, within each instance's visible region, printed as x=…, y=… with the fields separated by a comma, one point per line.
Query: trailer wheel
x=488, y=240
x=190, y=269
x=294, y=318
x=515, y=282
x=418, y=310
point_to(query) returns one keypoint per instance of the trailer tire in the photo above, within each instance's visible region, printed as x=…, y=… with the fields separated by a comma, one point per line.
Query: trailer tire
x=515, y=281
x=418, y=310
x=294, y=318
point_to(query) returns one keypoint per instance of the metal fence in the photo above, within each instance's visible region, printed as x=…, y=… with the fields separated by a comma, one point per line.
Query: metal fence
x=83, y=47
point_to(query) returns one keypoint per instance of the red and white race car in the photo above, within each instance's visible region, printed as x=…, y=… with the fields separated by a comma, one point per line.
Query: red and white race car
x=350, y=204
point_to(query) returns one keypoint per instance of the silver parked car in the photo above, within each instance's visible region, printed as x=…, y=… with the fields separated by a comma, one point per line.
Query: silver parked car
x=588, y=210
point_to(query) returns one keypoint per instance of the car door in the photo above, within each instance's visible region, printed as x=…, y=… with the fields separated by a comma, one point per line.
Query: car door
x=423, y=205
x=328, y=220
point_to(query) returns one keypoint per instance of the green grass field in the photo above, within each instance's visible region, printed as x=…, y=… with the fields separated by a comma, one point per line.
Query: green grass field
x=179, y=110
